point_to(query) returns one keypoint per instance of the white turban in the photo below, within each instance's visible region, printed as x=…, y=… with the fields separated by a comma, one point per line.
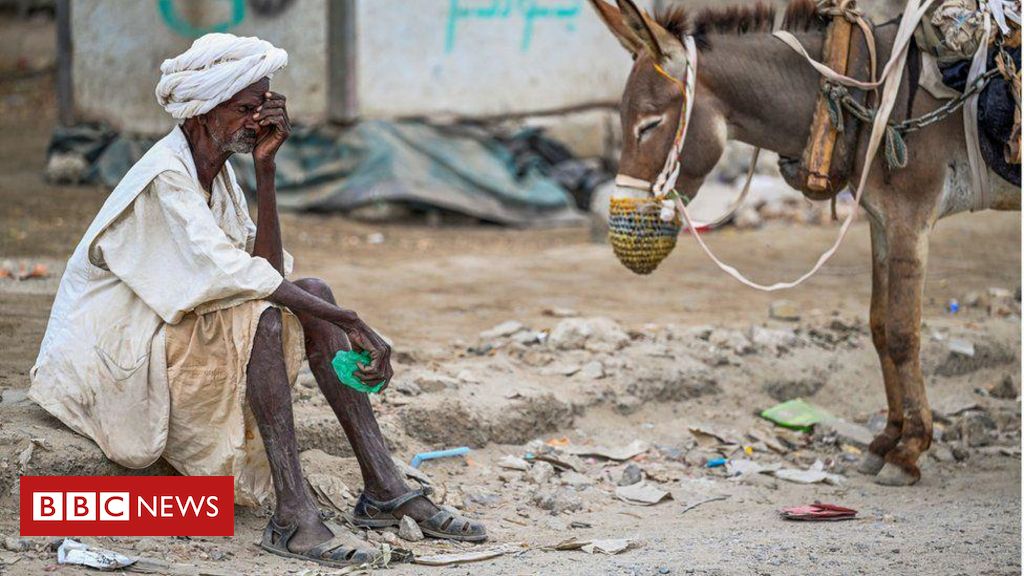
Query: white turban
x=214, y=69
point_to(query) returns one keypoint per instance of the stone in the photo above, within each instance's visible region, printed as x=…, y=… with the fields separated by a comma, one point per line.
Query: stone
x=406, y=387
x=631, y=474
x=391, y=538
x=733, y=340
x=593, y=370
x=540, y=473
x=1006, y=389
x=576, y=480
x=409, y=530
x=557, y=500
x=772, y=339
x=962, y=348
x=594, y=334
x=15, y=544
x=784, y=310
x=502, y=330
x=434, y=382
x=975, y=428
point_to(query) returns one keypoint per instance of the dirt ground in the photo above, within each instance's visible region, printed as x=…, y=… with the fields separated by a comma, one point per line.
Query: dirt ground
x=684, y=347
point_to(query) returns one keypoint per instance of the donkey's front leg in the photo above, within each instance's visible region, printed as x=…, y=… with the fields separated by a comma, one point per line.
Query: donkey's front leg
x=908, y=256
x=874, y=459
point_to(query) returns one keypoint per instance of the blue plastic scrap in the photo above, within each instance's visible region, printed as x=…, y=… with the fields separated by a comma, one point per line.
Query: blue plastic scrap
x=450, y=453
x=716, y=462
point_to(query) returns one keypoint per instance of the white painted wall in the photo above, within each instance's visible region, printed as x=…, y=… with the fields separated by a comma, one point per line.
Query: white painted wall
x=484, y=57
x=119, y=46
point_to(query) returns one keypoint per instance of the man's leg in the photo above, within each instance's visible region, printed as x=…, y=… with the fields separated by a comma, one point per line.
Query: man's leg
x=269, y=395
x=381, y=478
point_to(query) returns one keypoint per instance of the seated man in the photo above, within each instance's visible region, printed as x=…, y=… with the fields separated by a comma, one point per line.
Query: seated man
x=175, y=334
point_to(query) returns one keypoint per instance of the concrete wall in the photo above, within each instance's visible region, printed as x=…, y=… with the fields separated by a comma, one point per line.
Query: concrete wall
x=484, y=57
x=118, y=47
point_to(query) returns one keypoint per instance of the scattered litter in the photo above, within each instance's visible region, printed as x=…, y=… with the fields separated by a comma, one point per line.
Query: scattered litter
x=641, y=494
x=450, y=453
x=557, y=312
x=813, y=475
x=622, y=453
x=608, y=546
x=953, y=306
x=818, y=512
x=558, y=442
x=15, y=544
x=745, y=467
x=346, y=363
x=689, y=507
x=579, y=524
x=708, y=439
x=409, y=530
x=331, y=491
x=412, y=473
x=502, y=330
x=559, y=461
x=465, y=557
x=513, y=463
x=716, y=462
x=613, y=546
x=796, y=415
x=74, y=552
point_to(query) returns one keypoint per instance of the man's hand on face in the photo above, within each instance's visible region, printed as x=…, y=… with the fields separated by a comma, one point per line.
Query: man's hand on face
x=362, y=337
x=274, y=127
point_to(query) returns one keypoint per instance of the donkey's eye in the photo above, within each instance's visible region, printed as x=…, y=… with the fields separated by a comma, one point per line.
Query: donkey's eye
x=645, y=127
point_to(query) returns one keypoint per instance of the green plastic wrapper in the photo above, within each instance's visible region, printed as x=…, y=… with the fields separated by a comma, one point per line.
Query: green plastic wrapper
x=796, y=414
x=345, y=363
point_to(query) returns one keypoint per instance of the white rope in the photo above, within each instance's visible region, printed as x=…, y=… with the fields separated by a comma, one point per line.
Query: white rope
x=890, y=82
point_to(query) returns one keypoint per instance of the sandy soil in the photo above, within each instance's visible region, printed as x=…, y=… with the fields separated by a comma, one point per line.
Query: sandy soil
x=691, y=357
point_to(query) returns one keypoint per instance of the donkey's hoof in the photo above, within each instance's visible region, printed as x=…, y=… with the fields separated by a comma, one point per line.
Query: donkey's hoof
x=893, y=475
x=871, y=464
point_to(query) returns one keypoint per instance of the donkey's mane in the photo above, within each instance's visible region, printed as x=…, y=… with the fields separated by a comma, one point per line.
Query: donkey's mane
x=800, y=16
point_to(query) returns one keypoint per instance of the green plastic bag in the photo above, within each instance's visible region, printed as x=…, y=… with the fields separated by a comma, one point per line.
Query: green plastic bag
x=796, y=414
x=345, y=363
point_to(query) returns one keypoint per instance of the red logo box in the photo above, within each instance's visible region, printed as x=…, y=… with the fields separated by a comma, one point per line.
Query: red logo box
x=127, y=506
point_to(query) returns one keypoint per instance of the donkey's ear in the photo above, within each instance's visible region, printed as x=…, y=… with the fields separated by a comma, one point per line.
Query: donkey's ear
x=612, y=18
x=661, y=44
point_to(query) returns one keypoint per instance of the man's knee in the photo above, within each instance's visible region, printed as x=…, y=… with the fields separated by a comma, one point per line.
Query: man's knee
x=316, y=287
x=271, y=326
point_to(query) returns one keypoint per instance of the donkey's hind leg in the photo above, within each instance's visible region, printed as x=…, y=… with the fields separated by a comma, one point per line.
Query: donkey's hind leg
x=907, y=258
x=874, y=459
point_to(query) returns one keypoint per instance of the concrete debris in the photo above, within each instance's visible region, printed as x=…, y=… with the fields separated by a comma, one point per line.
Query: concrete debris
x=777, y=340
x=613, y=546
x=962, y=348
x=845, y=432
x=1005, y=389
x=331, y=491
x=641, y=494
x=594, y=334
x=514, y=463
x=707, y=438
x=502, y=330
x=540, y=473
x=576, y=480
x=557, y=499
x=409, y=530
x=15, y=544
x=593, y=370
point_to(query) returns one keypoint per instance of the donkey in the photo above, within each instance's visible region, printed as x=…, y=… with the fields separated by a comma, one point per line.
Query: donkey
x=753, y=88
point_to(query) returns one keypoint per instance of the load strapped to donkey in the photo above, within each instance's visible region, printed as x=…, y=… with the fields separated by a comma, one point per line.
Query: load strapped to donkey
x=965, y=59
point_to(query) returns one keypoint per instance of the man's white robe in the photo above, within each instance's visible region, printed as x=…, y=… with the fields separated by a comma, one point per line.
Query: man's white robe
x=102, y=368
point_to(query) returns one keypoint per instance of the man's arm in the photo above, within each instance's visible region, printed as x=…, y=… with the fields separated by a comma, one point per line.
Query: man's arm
x=273, y=117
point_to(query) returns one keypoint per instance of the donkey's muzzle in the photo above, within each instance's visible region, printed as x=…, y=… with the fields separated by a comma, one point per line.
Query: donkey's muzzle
x=638, y=235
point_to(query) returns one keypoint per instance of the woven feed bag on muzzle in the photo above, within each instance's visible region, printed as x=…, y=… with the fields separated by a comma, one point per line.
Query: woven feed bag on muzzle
x=638, y=235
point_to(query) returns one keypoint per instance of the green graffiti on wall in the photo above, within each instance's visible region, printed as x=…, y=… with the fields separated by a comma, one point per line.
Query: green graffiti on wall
x=183, y=27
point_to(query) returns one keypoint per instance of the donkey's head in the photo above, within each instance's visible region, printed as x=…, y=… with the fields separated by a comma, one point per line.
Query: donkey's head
x=653, y=102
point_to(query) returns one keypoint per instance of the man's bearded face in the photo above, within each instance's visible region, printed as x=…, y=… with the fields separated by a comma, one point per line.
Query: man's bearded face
x=231, y=125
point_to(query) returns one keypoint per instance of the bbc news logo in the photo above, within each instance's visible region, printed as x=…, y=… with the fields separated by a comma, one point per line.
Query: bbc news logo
x=127, y=506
